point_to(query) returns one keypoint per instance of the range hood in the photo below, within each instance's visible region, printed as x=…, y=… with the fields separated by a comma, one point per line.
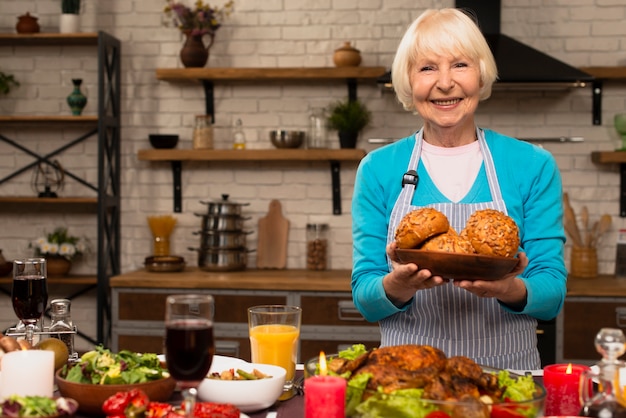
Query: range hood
x=518, y=64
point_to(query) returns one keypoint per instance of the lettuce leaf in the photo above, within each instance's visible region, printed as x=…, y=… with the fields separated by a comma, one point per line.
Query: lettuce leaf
x=521, y=388
x=402, y=403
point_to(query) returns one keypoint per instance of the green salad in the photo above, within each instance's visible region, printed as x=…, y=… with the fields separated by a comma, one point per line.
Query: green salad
x=16, y=406
x=410, y=403
x=102, y=367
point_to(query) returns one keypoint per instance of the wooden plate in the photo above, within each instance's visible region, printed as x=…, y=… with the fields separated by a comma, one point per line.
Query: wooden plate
x=459, y=266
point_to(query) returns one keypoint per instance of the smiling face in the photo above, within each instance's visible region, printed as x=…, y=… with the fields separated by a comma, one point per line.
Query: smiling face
x=446, y=93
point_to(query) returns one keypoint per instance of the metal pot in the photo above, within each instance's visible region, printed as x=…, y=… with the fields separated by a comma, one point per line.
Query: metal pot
x=223, y=206
x=222, y=259
x=222, y=222
x=222, y=239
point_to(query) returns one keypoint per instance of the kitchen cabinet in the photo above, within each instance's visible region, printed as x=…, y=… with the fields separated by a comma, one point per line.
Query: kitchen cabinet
x=105, y=127
x=330, y=322
x=209, y=76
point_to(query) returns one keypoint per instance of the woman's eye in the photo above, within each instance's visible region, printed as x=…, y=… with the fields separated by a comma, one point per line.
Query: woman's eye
x=461, y=65
x=426, y=68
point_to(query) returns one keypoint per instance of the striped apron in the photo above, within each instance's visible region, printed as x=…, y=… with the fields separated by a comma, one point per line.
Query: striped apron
x=453, y=319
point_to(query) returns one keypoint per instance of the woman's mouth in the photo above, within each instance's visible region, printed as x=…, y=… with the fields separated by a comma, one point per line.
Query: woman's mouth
x=448, y=102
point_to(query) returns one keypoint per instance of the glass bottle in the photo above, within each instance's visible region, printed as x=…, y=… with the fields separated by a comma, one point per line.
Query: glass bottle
x=318, y=130
x=316, y=246
x=61, y=322
x=203, y=132
x=602, y=392
x=239, y=137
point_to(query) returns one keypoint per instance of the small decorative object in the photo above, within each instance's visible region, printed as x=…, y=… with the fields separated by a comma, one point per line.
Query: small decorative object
x=194, y=24
x=48, y=179
x=619, y=121
x=161, y=227
x=239, y=137
x=77, y=100
x=6, y=82
x=163, y=141
x=318, y=131
x=27, y=24
x=58, y=248
x=347, y=56
x=348, y=118
x=203, y=132
x=70, y=19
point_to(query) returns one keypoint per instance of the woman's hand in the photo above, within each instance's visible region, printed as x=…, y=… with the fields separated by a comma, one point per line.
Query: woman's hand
x=405, y=279
x=510, y=290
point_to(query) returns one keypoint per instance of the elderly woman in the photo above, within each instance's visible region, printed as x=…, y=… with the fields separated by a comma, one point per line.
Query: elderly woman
x=442, y=69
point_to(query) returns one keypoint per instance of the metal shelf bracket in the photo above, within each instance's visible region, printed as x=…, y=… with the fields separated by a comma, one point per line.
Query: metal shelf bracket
x=335, y=169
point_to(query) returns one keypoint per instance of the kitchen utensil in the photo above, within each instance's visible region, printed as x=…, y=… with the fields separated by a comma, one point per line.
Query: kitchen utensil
x=222, y=239
x=273, y=235
x=287, y=139
x=584, y=217
x=219, y=259
x=570, y=221
x=164, y=263
x=222, y=222
x=604, y=224
x=459, y=266
x=223, y=206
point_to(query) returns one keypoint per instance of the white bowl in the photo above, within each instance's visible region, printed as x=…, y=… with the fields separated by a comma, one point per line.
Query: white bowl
x=247, y=395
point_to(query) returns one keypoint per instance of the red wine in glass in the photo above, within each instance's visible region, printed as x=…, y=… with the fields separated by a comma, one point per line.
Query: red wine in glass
x=29, y=297
x=189, y=349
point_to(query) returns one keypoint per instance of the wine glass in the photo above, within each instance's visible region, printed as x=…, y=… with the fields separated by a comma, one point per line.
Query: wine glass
x=29, y=294
x=189, y=345
x=619, y=122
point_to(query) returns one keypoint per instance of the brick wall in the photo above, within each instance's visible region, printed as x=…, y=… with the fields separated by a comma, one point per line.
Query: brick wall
x=285, y=33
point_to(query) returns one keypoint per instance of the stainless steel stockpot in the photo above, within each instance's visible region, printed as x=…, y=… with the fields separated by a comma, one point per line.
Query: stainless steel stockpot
x=222, y=222
x=219, y=259
x=222, y=239
x=223, y=206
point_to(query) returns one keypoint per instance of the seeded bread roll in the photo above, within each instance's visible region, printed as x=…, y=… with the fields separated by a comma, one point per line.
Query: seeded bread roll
x=449, y=242
x=491, y=232
x=419, y=225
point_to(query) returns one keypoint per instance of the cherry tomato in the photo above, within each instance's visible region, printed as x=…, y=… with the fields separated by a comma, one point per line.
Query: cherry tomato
x=158, y=410
x=504, y=412
x=116, y=404
x=437, y=414
x=215, y=410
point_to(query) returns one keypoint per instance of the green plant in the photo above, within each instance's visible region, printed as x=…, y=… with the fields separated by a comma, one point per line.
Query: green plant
x=203, y=19
x=70, y=6
x=348, y=116
x=59, y=243
x=7, y=81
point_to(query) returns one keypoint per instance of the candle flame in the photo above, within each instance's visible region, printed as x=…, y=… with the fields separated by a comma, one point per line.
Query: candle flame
x=323, y=366
x=569, y=369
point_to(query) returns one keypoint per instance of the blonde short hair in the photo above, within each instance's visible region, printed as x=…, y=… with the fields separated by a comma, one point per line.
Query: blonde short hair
x=436, y=32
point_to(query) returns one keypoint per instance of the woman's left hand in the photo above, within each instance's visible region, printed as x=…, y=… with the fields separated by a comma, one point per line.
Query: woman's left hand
x=509, y=289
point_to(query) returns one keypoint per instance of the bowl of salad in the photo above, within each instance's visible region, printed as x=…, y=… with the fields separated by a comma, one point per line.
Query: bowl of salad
x=100, y=373
x=420, y=381
x=37, y=407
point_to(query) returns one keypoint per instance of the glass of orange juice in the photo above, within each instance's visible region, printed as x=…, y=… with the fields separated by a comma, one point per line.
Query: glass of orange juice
x=274, y=337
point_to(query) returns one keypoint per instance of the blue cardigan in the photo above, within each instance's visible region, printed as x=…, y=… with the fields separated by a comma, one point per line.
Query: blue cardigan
x=531, y=187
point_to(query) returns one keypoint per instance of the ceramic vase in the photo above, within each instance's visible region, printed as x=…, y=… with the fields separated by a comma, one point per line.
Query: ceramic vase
x=69, y=23
x=347, y=56
x=58, y=266
x=194, y=54
x=27, y=24
x=77, y=100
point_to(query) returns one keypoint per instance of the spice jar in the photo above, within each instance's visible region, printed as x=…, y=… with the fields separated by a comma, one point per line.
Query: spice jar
x=203, y=132
x=316, y=246
x=61, y=326
x=318, y=132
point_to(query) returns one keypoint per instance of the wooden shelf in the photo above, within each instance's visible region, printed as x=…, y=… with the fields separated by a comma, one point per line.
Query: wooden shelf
x=607, y=73
x=69, y=280
x=73, y=39
x=50, y=200
x=48, y=120
x=251, y=155
x=242, y=74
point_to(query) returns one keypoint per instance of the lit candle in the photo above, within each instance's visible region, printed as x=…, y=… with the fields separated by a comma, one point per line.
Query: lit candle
x=562, y=383
x=27, y=373
x=324, y=396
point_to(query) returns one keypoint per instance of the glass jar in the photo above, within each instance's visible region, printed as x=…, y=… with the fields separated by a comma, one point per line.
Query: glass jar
x=316, y=246
x=318, y=131
x=239, y=138
x=203, y=132
x=61, y=322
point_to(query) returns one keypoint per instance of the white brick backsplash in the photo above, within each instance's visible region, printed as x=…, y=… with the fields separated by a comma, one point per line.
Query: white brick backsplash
x=285, y=34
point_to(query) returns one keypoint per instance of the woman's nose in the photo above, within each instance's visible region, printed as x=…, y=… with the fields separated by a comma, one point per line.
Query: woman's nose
x=445, y=81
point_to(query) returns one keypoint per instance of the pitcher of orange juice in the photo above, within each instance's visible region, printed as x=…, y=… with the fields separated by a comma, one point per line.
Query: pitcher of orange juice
x=274, y=337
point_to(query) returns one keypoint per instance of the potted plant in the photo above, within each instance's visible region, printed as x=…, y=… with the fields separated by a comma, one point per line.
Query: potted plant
x=348, y=118
x=7, y=81
x=58, y=248
x=70, y=21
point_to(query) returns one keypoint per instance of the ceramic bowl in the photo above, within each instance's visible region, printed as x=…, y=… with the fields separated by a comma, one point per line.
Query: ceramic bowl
x=160, y=141
x=287, y=139
x=247, y=395
x=91, y=397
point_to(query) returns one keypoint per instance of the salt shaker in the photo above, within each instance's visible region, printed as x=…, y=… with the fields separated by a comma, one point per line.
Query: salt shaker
x=61, y=322
x=316, y=246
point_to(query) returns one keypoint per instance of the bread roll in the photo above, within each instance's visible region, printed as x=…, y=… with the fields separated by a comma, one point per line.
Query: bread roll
x=449, y=242
x=419, y=225
x=491, y=232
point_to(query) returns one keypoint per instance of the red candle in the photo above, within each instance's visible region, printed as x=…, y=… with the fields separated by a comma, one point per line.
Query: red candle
x=562, y=383
x=324, y=396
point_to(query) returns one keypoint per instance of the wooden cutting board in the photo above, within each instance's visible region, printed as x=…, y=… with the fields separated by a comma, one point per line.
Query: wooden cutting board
x=273, y=235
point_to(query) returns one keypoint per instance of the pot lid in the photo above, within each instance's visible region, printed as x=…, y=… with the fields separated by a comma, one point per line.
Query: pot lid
x=223, y=201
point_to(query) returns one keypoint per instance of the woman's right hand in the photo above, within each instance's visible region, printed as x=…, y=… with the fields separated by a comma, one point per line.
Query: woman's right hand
x=406, y=279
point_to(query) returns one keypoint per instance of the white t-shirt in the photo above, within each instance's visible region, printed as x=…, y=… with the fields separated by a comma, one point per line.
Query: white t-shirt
x=453, y=170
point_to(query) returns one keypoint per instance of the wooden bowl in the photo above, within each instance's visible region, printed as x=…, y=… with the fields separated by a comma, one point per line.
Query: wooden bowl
x=91, y=397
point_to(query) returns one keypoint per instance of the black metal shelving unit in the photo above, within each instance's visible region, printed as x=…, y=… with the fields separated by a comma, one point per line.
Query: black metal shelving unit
x=106, y=127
